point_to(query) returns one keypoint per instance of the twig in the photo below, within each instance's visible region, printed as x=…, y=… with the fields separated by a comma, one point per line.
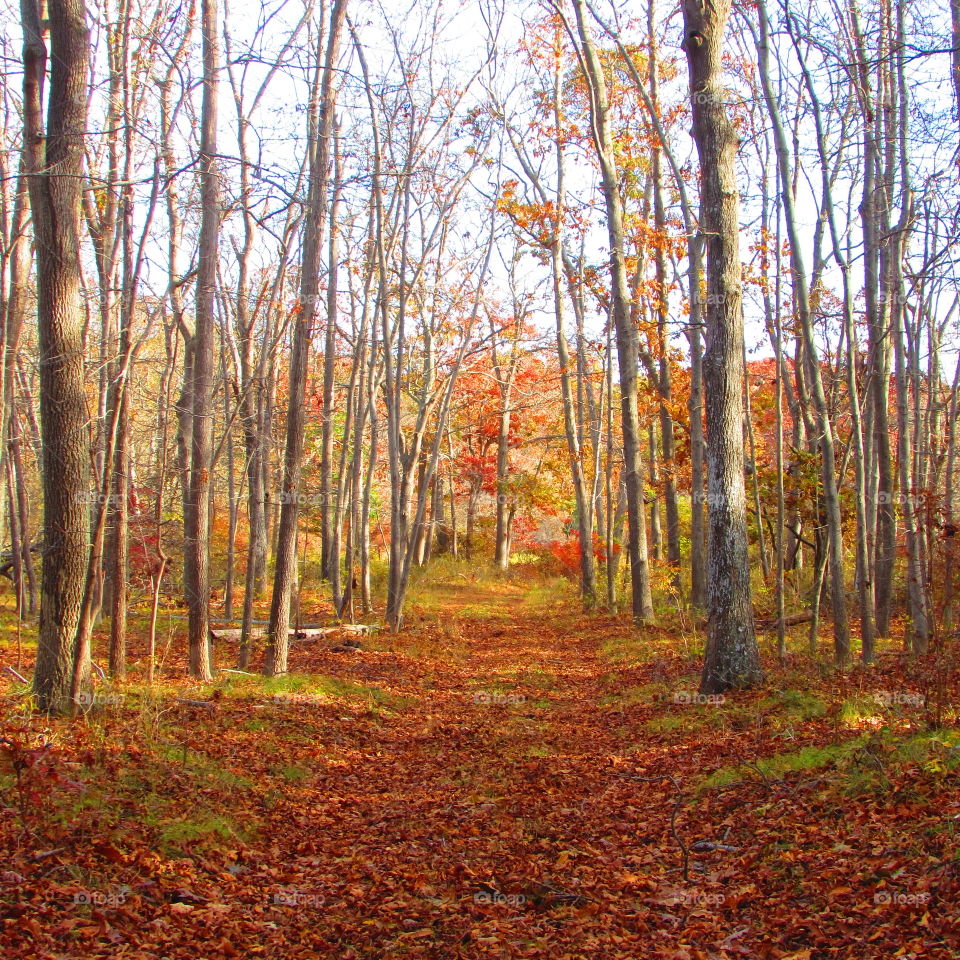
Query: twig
x=678, y=800
x=206, y=704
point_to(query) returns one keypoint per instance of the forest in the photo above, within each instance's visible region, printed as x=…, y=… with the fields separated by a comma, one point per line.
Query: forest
x=479, y=479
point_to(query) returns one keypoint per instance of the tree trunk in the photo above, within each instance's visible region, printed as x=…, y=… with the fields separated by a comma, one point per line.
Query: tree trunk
x=197, y=545
x=55, y=169
x=627, y=339
x=732, y=658
x=831, y=497
x=321, y=124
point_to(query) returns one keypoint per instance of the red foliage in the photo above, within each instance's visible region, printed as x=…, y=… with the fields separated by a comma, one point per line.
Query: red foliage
x=567, y=553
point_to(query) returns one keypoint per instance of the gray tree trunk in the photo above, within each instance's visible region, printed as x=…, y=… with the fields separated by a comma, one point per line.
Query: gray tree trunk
x=197, y=545
x=732, y=658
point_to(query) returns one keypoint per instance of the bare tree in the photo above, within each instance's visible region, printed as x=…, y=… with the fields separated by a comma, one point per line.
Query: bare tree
x=627, y=337
x=197, y=508
x=321, y=123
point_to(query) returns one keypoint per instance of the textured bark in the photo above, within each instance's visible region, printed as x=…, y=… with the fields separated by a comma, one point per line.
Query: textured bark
x=732, y=658
x=831, y=497
x=627, y=338
x=329, y=552
x=873, y=211
x=322, y=124
x=864, y=569
x=18, y=267
x=55, y=168
x=197, y=545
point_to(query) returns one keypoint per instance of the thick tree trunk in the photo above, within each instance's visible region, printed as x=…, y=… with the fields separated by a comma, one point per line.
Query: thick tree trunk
x=55, y=169
x=327, y=559
x=732, y=658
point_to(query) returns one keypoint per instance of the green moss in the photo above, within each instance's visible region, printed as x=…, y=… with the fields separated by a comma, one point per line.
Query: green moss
x=304, y=688
x=795, y=704
x=292, y=773
x=855, y=711
x=776, y=766
x=201, y=829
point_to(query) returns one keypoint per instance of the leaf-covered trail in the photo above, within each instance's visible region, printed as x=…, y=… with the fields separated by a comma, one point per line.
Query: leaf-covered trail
x=483, y=786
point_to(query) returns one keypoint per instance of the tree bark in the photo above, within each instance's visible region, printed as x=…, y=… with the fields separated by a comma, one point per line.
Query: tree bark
x=627, y=339
x=732, y=658
x=197, y=545
x=321, y=124
x=55, y=168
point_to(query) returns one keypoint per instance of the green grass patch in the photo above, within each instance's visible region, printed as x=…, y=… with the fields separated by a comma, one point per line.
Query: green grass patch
x=292, y=773
x=795, y=705
x=550, y=593
x=776, y=766
x=637, y=646
x=301, y=688
x=686, y=721
x=645, y=695
x=201, y=829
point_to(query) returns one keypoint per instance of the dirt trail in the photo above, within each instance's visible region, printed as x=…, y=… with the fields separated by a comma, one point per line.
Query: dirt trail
x=491, y=816
x=485, y=817
x=483, y=786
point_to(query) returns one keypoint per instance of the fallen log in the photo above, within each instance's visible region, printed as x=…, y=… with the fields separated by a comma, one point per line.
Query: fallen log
x=769, y=624
x=204, y=704
x=301, y=633
x=793, y=620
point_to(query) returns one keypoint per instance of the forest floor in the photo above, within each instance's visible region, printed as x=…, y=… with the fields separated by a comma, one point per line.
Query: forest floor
x=508, y=777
